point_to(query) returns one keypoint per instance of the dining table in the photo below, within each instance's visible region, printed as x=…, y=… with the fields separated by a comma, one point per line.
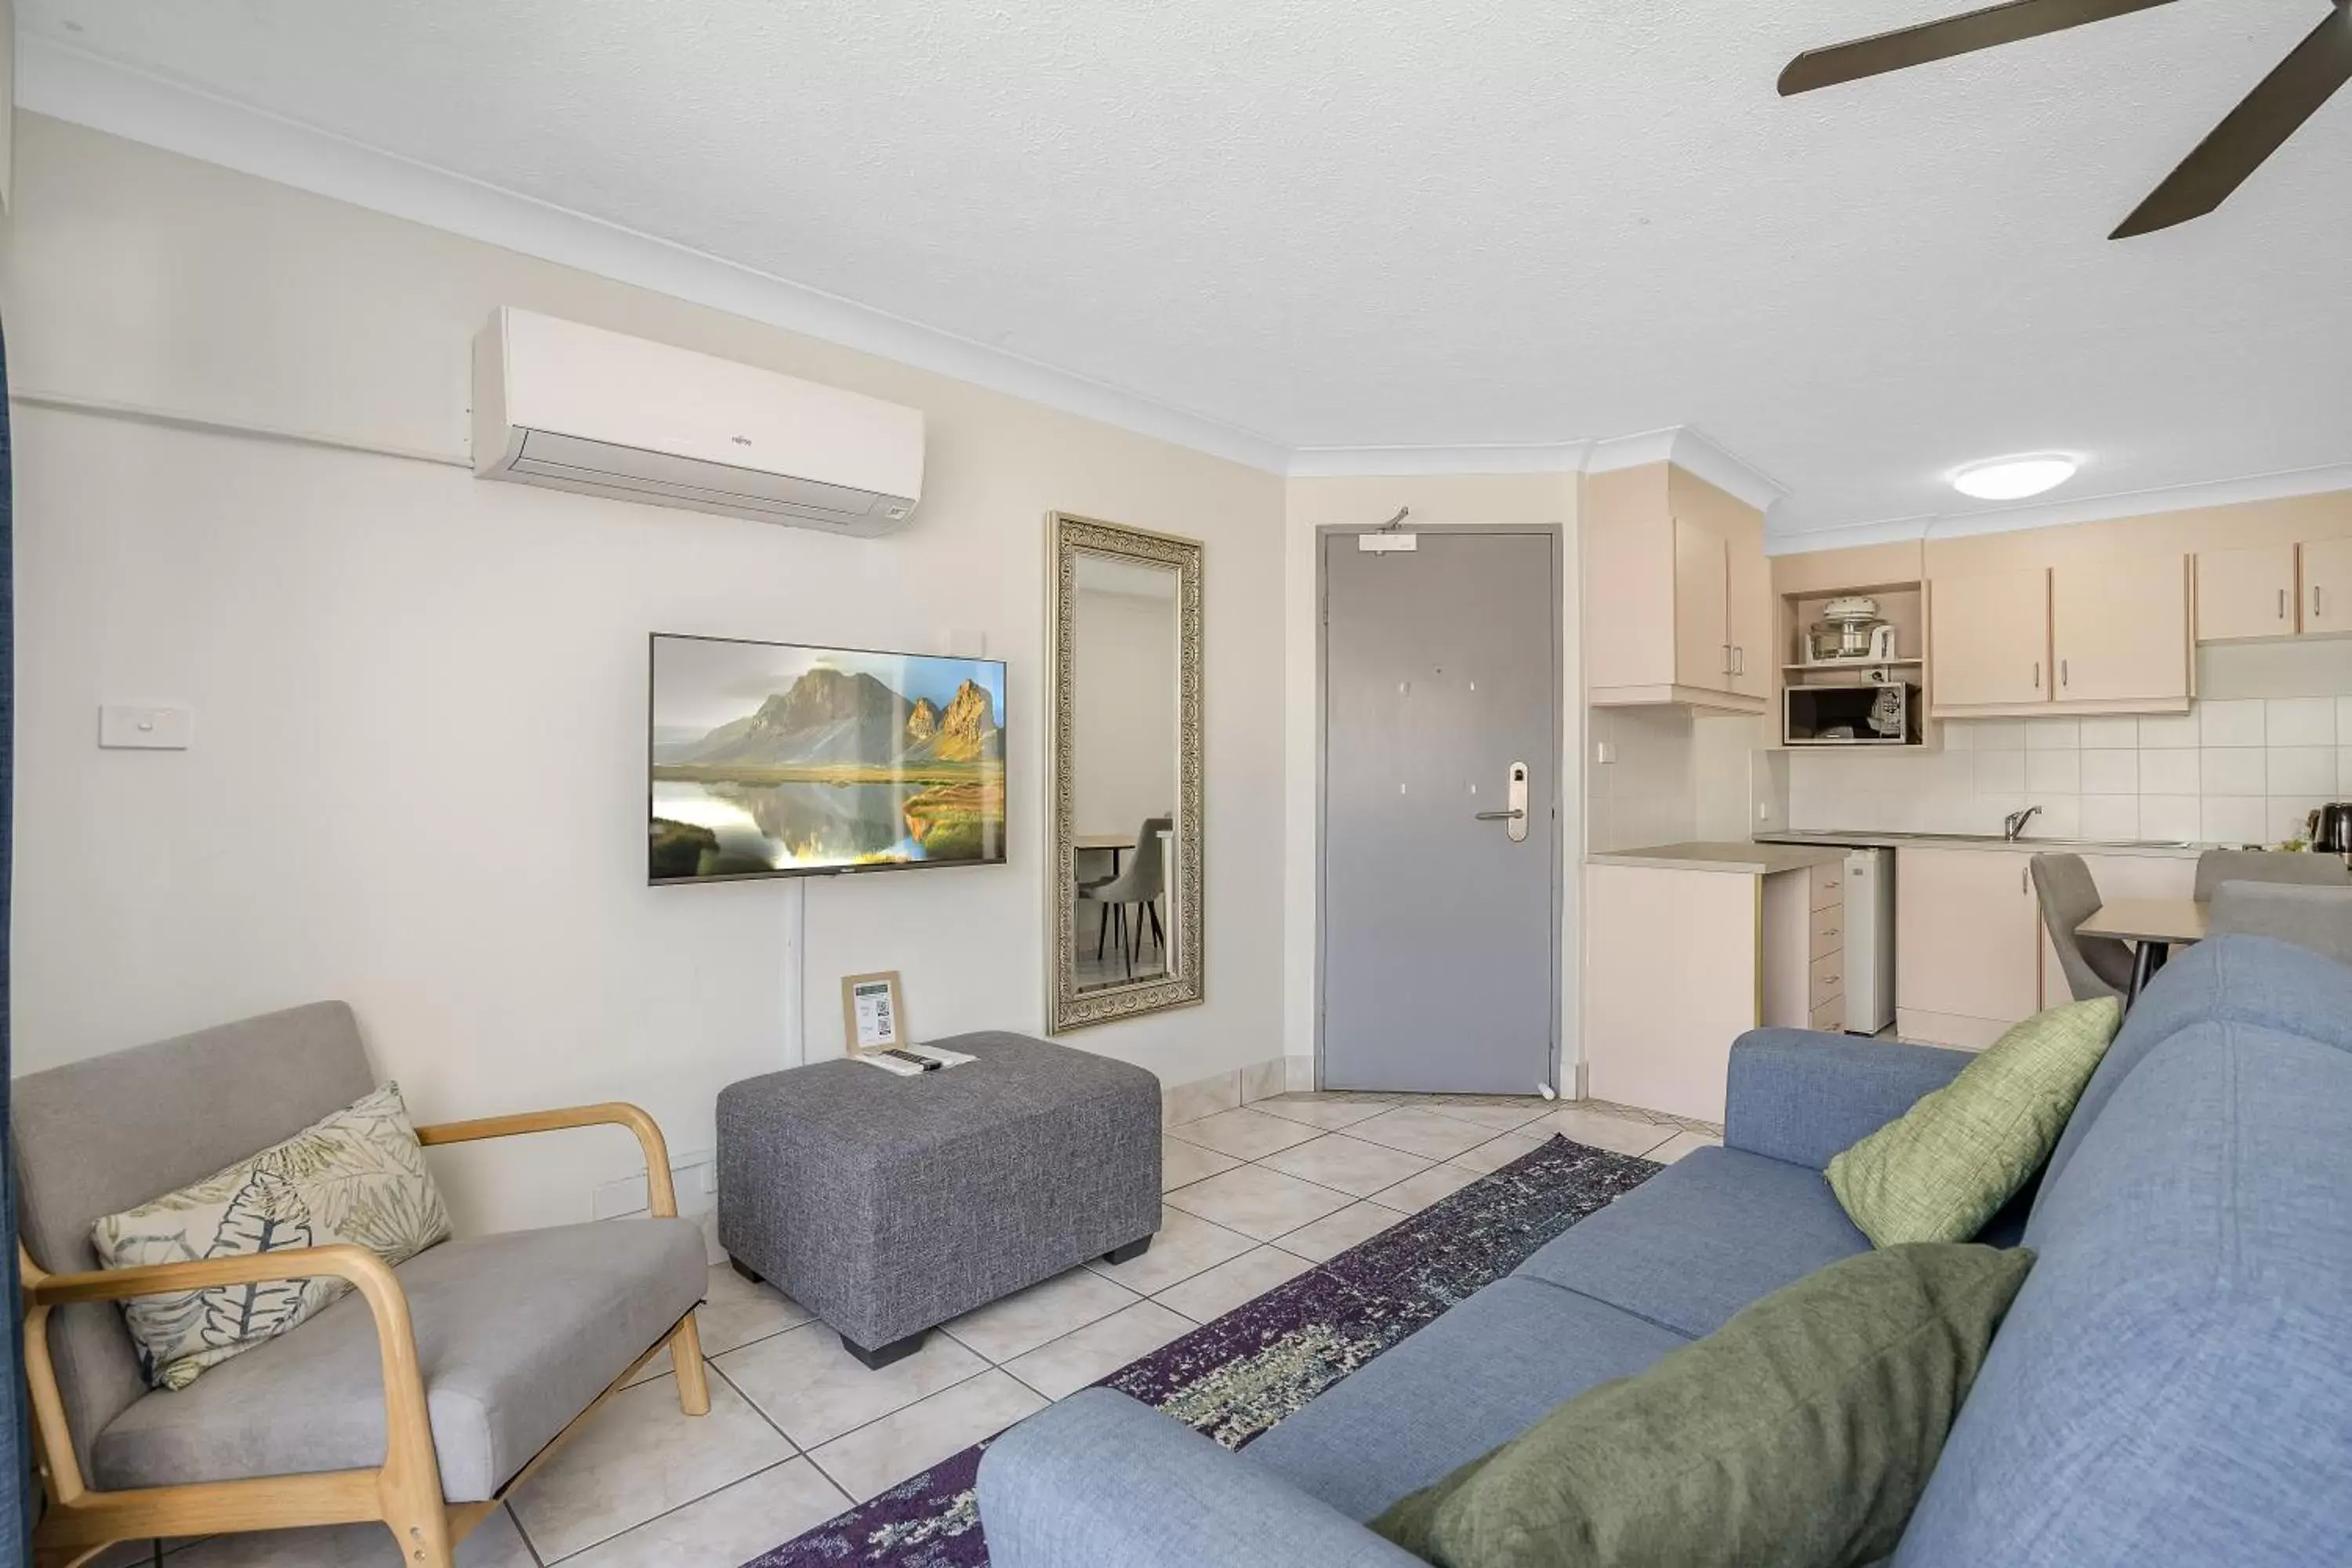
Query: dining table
x=2154, y=927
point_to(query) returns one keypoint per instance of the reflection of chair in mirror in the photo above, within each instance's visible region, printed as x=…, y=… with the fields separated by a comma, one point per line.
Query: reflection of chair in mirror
x=1140, y=884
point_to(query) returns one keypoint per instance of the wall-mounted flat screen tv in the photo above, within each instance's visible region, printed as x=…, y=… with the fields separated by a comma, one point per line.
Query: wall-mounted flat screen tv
x=778, y=760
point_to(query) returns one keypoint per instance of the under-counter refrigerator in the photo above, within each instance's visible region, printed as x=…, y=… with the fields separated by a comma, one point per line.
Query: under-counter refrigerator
x=1869, y=941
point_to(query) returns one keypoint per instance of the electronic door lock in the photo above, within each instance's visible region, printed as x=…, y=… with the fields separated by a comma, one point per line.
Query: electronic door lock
x=1518, y=813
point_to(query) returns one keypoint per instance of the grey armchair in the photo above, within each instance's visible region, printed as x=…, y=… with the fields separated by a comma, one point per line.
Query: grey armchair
x=2316, y=918
x=2095, y=965
x=2216, y=867
x=419, y=1400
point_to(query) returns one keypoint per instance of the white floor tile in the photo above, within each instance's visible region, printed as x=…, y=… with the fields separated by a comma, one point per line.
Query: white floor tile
x=1243, y=1134
x=806, y=1383
x=1415, y=1193
x=1209, y=1296
x=1680, y=1144
x=639, y=1457
x=1332, y=1235
x=1614, y=1133
x=1257, y=1202
x=1420, y=1132
x=906, y=1442
x=1500, y=1152
x=1093, y=1352
x=1502, y=1114
x=1028, y=1319
x=494, y=1543
x=735, y=1311
x=1320, y=1110
x=1348, y=1164
x=1183, y=1245
x=732, y=1525
x=1183, y=1163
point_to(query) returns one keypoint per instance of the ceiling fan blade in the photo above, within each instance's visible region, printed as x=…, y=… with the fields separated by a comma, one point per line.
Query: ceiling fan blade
x=2251, y=132
x=1962, y=34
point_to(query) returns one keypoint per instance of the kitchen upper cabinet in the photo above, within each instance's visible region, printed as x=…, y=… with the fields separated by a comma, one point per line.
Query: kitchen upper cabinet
x=1677, y=611
x=1702, y=608
x=1989, y=638
x=2327, y=585
x=2246, y=593
x=2119, y=629
x=1753, y=655
x=1967, y=944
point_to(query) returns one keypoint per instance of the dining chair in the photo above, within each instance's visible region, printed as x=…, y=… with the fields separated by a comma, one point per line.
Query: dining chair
x=421, y=1400
x=2316, y=918
x=1141, y=884
x=2216, y=867
x=2095, y=967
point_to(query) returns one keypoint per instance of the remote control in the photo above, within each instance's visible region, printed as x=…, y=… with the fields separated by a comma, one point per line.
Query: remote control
x=912, y=1059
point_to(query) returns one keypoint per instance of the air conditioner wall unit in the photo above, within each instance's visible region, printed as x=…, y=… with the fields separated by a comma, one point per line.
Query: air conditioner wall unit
x=574, y=408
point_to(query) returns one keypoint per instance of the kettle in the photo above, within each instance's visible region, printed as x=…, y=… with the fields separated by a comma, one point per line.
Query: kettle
x=2331, y=828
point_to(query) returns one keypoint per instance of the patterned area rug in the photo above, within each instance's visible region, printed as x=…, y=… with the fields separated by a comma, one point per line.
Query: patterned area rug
x=1235, y=1378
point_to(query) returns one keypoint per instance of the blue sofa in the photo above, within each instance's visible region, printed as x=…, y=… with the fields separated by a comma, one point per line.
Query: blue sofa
x=2173, y=1386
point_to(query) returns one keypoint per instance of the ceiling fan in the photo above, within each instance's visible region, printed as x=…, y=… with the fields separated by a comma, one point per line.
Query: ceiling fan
x=2234, y=149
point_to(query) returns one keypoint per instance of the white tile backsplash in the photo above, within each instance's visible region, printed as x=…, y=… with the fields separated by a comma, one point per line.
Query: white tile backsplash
x=2054, y=773
x=2111, y=816
x=2111, y=772
x=2000, y=772
x=2238, y=723
x=2169, y=770
x=2300, y=721
x=2234, y=818
x=2053, y=735
x=2301, y=770
x=2232, y=769
x=2123, y=733
x=2245, y=771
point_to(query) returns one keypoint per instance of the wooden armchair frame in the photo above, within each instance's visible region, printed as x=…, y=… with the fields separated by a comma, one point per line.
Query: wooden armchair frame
x=405, y=1493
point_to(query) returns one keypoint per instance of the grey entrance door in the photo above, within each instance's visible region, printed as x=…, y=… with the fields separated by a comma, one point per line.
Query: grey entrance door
x=1439, y=943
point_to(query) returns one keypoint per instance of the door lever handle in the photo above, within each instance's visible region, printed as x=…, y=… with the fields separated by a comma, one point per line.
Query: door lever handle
x=1499, y=815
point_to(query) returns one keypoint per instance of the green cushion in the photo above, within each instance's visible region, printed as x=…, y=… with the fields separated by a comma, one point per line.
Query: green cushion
x=357, y=1176
x=1800, y=1433
x=1946, y=1166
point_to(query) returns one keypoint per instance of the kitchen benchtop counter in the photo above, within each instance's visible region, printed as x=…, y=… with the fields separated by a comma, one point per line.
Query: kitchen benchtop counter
x=2026, y=845
x=1758, y=859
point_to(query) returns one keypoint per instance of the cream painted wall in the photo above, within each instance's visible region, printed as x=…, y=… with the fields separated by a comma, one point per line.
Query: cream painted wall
x=418, y=776
x=1125, y=769
x=1437, y=501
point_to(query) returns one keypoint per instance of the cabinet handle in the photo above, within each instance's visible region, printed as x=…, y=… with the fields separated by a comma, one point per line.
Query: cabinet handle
x=2281, y=603
x=2037, y=675
x=1739, y=660
x=2314, y=601
x=2064, y=677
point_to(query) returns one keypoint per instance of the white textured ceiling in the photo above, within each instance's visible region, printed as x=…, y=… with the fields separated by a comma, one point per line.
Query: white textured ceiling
x=1376, y=223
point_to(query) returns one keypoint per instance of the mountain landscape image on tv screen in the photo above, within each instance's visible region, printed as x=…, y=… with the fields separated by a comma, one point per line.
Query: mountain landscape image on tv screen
x=770, y=759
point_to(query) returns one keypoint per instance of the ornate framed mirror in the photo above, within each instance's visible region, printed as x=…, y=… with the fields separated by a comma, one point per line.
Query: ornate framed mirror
x=1124, y=876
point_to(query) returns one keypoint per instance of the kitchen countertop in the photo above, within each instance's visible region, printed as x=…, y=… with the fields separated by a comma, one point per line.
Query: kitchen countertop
x=2026, y=845
x=1756, y=859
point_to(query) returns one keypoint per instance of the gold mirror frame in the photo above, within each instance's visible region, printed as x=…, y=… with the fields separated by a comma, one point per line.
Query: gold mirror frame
x=1067, y=1007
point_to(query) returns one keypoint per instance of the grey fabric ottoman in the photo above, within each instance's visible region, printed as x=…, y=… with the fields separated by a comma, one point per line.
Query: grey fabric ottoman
x=887, y=1204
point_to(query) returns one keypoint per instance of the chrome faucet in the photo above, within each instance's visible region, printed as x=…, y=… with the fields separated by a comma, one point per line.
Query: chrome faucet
x=2012, y=826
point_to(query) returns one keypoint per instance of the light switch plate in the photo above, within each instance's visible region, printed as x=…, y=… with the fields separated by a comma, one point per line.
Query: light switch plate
x=122, y=726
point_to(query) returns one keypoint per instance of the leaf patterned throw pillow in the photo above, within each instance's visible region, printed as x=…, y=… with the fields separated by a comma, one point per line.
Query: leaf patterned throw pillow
x=358, y=1176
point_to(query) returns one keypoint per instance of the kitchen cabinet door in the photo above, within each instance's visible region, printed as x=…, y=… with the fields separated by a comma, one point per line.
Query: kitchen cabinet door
x=1754, y=656
x=2119, y=627
x=1702, y=609
x=1968, y=942
x=2245, y=593
x=1990, y=637
x=2327, y=585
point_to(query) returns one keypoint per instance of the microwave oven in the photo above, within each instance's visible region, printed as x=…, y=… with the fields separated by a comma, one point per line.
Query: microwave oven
x=1842, y=715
